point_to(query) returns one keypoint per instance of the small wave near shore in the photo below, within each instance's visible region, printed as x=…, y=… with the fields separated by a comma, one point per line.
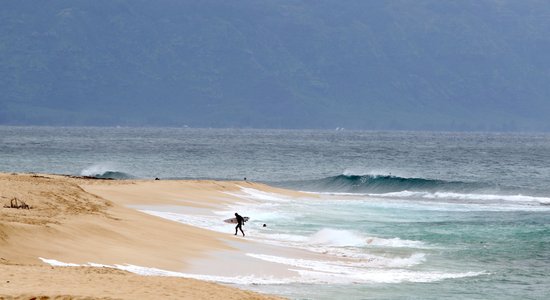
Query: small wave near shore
x=105, y=171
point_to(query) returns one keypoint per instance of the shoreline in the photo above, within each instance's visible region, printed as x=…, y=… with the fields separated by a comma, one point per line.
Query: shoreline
x=80, y=220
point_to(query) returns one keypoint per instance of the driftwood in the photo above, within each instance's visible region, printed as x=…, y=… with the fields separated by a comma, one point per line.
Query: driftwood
x=19, y=204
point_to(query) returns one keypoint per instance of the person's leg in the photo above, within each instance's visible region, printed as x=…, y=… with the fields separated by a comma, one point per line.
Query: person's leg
x=241, y=230
x=236, y=228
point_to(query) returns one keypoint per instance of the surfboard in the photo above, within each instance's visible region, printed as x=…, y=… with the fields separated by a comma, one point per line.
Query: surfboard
x=234, y=220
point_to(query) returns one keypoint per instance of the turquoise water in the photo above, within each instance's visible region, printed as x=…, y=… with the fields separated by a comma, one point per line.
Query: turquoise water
x=510, y=249
x=488, y=251
x=423, y=215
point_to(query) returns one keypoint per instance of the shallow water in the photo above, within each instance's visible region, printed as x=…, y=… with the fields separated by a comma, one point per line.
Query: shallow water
x=422, y=215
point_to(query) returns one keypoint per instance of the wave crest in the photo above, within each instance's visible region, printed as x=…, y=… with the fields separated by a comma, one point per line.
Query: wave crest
x=105, y=171
x=383, y=184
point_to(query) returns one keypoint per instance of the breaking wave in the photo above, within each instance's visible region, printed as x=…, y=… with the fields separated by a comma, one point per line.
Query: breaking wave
x=105, y=171
x=384, y=184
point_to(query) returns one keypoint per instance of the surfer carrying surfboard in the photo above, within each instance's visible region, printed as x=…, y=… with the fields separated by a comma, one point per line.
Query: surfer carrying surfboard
x=240, y=222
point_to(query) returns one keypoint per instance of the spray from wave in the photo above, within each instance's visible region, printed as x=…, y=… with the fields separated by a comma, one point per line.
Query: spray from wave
x=105, y=171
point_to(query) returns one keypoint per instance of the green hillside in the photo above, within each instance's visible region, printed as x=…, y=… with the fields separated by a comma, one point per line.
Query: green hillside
x=420, y=65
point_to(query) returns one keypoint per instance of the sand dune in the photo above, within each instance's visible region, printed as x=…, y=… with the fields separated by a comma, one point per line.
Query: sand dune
x=75, y=220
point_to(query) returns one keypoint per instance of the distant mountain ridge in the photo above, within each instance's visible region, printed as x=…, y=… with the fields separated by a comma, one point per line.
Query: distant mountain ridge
x=418, y=65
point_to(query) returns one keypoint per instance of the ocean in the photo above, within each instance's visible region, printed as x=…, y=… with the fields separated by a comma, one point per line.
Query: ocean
x=406, y=215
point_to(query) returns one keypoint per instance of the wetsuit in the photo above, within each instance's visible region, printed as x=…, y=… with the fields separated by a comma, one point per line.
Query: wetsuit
x=240, y=222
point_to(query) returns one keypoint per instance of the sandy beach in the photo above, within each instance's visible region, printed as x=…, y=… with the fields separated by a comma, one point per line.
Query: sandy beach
x=81, y=221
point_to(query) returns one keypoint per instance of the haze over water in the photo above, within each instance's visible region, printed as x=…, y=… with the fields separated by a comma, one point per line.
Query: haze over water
x=424, y=215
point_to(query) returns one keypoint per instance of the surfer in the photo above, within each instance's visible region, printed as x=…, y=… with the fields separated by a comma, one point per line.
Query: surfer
x=240, y=222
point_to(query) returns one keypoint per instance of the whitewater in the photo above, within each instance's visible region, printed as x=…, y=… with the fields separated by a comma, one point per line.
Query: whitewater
x=413, y=215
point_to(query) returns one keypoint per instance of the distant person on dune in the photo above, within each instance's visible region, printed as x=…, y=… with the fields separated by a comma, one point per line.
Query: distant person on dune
x=240, y=222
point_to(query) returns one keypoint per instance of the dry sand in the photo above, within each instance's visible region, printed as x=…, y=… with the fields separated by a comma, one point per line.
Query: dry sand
x=81, y=220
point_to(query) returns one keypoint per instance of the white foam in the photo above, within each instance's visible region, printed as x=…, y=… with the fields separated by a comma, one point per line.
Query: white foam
x=337, y=238
x=400, y=262
x=343, y=238
x=459, y=196
x=99, y=168
x=348, y=259
x=375, y=173
x=344, y=272
x=345, y=252
x=145, y=271
x=336, y=193
x=425, y=201
x=395, y=242
x=447, y=201
x=389, y=276
x=310, y=271
x=57, y=263
x=337, y=242
x=254, y=194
